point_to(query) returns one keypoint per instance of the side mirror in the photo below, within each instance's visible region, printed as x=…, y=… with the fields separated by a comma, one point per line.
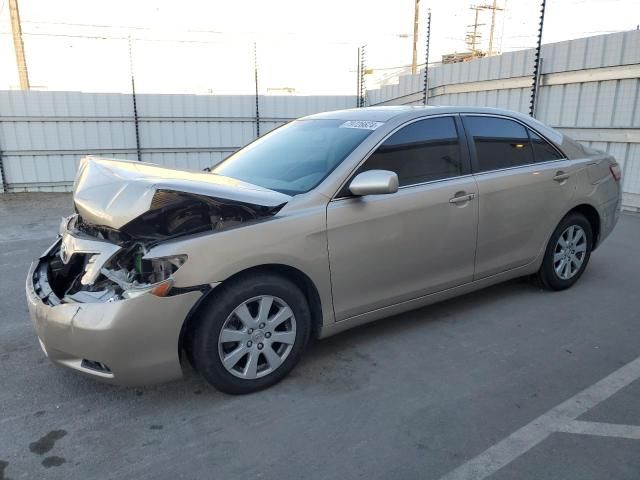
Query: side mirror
x=374, y=182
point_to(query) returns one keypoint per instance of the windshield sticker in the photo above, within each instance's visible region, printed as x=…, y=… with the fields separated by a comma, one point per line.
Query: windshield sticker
x=363, y=124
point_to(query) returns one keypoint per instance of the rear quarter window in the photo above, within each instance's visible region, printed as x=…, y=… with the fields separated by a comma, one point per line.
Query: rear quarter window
x=543, y=151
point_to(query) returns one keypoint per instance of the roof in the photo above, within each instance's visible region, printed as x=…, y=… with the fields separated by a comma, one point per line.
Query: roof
x=387, y=112
x=378, y=114
x=408, y=112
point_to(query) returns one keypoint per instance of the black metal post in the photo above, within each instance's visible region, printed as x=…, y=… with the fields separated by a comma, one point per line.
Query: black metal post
x=536, y=64
x=135, y=105
x=255, y=72
x=363, y=59
x=358, y=81
x=425, y=92
x=5, y=185
x=135, y=118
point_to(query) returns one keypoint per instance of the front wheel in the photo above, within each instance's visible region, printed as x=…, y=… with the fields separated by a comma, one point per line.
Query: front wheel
x=251, y=334
x=567, y=253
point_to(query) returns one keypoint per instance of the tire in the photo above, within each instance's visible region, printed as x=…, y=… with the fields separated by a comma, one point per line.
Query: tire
x=552, y=274
x=250, y=350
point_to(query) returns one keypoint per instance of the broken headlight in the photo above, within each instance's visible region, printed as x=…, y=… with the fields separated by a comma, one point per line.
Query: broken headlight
x=136, y=275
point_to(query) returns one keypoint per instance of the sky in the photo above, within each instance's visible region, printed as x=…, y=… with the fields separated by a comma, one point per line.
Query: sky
x=207, y=46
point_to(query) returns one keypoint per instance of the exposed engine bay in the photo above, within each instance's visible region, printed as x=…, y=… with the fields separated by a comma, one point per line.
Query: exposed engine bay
x=94, y=263
x=175, y=214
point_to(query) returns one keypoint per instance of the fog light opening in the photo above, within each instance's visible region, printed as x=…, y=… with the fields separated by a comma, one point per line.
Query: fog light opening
x=96, y=366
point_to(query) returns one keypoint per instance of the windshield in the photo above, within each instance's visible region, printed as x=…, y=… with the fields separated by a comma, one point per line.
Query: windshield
x=296, y=157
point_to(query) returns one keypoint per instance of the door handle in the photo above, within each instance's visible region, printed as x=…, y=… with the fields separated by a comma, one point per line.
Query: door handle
x=461, y=198
x=561, y=176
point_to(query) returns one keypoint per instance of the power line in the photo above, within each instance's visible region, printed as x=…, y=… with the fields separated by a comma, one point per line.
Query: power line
x=112, y=37
x=151, y=39
x=210, y=32
x=92, y=25
x=64, y=35
x=395, y=68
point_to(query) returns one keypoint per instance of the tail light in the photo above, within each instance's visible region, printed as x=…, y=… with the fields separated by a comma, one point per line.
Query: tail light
x=615, y=172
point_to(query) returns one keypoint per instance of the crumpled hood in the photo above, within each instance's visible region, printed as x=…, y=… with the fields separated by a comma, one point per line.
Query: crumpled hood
x=112, y=192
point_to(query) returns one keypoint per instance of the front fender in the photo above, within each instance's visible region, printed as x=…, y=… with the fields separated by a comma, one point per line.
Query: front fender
x=296, y=240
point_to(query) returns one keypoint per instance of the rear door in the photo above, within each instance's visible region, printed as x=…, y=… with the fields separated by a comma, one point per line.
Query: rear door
x=386, y=249
x=524, y=185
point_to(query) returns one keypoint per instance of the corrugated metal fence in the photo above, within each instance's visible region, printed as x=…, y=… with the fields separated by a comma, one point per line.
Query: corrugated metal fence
x=43, y=135
x=589, y=89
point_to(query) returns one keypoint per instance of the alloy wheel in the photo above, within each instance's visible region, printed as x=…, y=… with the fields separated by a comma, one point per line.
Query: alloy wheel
x=569, y=252
x=257, y=337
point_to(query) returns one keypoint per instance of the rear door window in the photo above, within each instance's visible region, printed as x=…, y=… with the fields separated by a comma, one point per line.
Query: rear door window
x=499, y=142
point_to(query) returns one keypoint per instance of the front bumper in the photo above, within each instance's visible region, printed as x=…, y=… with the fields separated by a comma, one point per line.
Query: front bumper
x=137, y=338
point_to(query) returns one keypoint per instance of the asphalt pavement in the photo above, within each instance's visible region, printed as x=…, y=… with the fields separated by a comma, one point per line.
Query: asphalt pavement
x=510, y=382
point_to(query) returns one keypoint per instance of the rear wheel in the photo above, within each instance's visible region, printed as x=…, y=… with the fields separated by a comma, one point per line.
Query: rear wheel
x=251, y=334
x=567, y=253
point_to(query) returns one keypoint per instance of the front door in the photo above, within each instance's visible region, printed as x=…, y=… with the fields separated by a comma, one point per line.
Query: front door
x=386, y=249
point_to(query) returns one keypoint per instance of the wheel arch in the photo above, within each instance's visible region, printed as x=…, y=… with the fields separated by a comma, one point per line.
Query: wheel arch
x=293, y=274
x=592, y=215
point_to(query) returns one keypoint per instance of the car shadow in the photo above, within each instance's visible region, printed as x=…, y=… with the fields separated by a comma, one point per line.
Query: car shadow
x=415, y=319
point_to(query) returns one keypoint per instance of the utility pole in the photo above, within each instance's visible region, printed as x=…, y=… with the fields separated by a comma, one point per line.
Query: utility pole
x=494, y=8
x=473, y=37
x=416, y=20
x=18, y=44
x=493, y=26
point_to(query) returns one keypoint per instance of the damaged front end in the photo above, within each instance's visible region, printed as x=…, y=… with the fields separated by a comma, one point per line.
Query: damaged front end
x=93, y=263
x=82, y=269
x=100, y=300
